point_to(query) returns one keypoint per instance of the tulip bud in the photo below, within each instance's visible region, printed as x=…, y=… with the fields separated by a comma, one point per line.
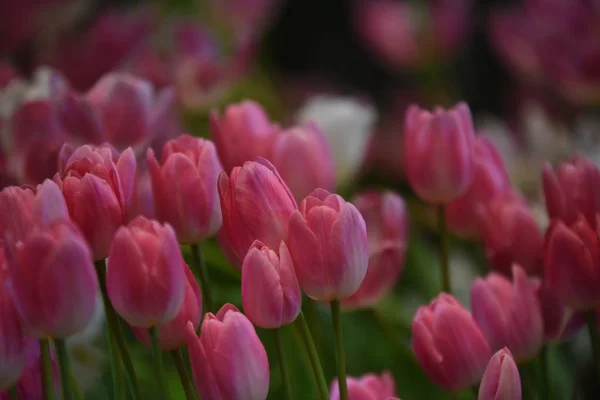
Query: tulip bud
x=16, y=211
x=489, y=180
x=61, y=300
x=509, y=315
x=173, y=334
x=145, y=277
x=574, y=190
x=369, y=386
x=228, y=360
x=448, y=344
x=572, y=264
x=256, y=205
x=270, y=292
x=438, y=151
x=185, y=187
x=501, y=380
x=245, y=123
x=387, y=231
x=303, y=158
x=511, y=234
x=328, y=243
x=97, y=187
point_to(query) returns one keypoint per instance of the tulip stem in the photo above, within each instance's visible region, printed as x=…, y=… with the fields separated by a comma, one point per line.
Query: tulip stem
x=65, y=369
x=314, y=357
x=545, y=376
x=202, y=273
x=339, y=342
x=184, y=377
x=47, y=372
x=444, y=250
x=592, y=324
x=13, y=393
x=285, y=376
x=158, y=363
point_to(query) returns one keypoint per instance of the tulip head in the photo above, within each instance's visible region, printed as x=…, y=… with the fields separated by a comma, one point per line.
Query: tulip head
x=367, y=387
x=501, y=380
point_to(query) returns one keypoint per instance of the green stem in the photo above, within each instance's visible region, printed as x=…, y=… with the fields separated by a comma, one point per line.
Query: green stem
x=65, y=369
x=116, y=367
x=339, y=344
x=444, y=250
x=312, y=316
x=202, y=274
x=545, y=376
x=314, y=357
x=158, y=364
x=47, y=372
x=285, y=376
x=13, y=393
x=125, y=356
x=592, y=325
x=528, y=381
x=184, y=377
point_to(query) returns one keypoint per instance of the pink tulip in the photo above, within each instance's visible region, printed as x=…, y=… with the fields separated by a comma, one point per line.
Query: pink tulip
x=245, y=123
x=501, y=380
x=328, y=243
x=145, y=277
x=438, y=151
x=173, y=334
x=448, y=344
x=97, y=187
x=142, y=200
x=16, y=211
x=303, y=158
x=367, y=387
x=256, y=205
x=270, y=292
x=228, y=360
x=509, y=314
x=572, y=264
x=387, y=232
x=52, y=280
x=185, y=187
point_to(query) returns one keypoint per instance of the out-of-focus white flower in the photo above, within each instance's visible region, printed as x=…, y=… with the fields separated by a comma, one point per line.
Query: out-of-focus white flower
x=347, y=124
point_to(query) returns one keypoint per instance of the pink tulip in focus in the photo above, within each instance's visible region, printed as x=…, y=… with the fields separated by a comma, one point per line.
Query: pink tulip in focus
x=16, y=211
x=509, y=314
x=173, y=334
x=97, y=187
x=52, y=280
x=572, y=264
x=256, y=205
x=228, y=360
x=448, y=344
x=145, y=277
x=242, y=134
x=511, y=234
x=501, y=380
x=438, y=151
x=573, y=190
x=303, y=158
x=490, y=179
x=387, y=231
x=270, y=292
x=367, y=387
x=185, y=187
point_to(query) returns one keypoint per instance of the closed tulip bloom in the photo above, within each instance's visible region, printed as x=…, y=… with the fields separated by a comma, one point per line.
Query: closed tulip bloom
x=509, y=314
x=387, y=230
x=438, y=151
x=328, y=243
x=572, y=190
x=145, y=277
x=448, y=344
x=185, y=187
x=572, y=264
x=245, y=123
x=501, y=380
x=16, y=211
x=173, y=334
x=270, y=292
x=303, y=158
x=228, y=360
x=256, y=205
x=98, y=187
x=52, y=280
x=367, y=387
